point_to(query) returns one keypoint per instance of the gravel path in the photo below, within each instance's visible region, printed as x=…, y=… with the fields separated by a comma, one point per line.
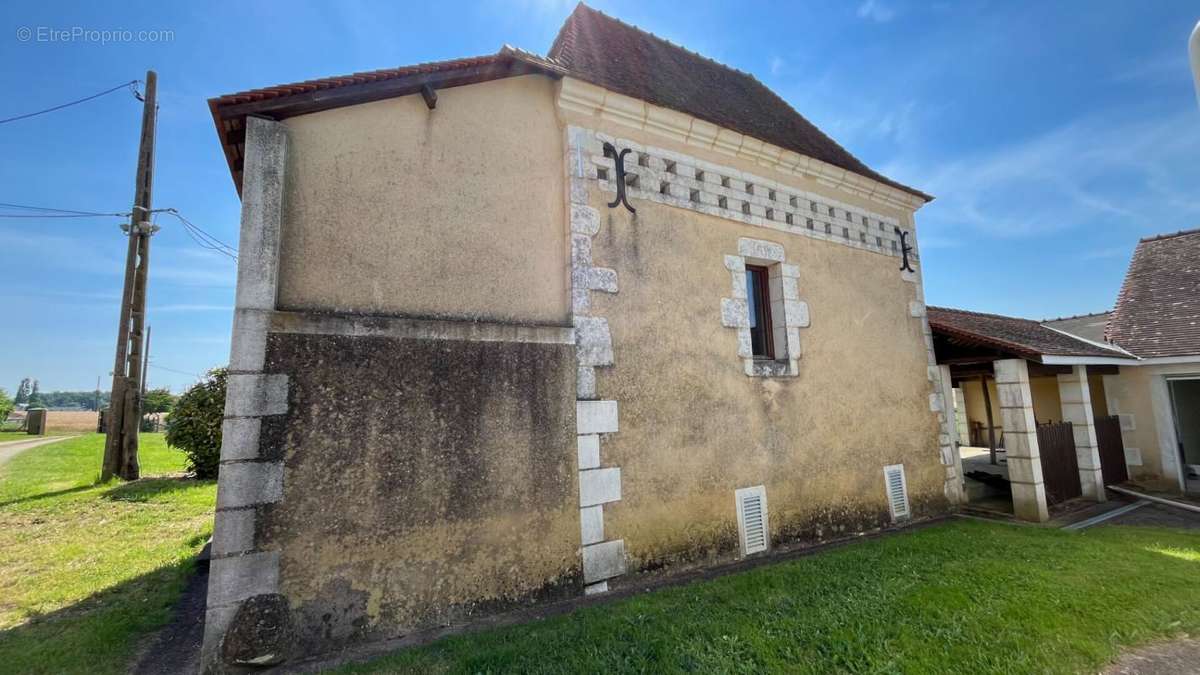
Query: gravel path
x=11, y=449
x=1169, y=658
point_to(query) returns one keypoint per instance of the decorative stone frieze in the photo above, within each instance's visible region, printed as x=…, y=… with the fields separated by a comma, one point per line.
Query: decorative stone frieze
x=682, y=181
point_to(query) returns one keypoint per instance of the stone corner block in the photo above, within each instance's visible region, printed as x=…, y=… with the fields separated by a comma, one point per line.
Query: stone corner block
x=735, y=313
x=588, y=447
x=239, y=438
x=599, y=486
x=248, y=347
x=593, y=341
x=584, y=220
x=256, y=394
x=233, y=532
x=603, y=561
x=240, y=577
x=596, y=417
x=249, y=483
x=591, y=525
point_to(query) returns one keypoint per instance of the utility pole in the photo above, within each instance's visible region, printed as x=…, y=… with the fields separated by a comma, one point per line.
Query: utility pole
x=146, y=363
x=96, y=405
x=121, y=442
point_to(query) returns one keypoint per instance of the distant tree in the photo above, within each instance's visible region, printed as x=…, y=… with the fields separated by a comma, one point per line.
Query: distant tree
x=195, y=423
x=158, y=401
x=6, y=405
x=35, y=396
x=22, y=392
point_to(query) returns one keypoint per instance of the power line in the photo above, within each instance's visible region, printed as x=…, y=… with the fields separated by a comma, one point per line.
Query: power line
x=46, y=208
x=172, y=370
x=203, y=238
x=131, y=84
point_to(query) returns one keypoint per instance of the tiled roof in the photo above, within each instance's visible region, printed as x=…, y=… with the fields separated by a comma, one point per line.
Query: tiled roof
x=1087, y=326
x=590, y=46
x=616, y=56
x=1158, y=309
x=1023, y=337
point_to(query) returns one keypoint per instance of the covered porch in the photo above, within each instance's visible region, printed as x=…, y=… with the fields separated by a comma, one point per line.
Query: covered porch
x=1033, y=427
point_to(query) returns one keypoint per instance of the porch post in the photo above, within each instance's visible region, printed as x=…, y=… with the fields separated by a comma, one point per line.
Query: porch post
x=1077, y=409
x=1020, y=440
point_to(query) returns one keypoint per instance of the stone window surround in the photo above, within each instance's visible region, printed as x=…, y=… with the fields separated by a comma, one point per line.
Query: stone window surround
x=788, y=313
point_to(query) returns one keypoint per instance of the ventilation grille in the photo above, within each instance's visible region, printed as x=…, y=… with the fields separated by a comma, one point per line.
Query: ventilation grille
x=1127, y=423
x=897, y=490
x=752, y=519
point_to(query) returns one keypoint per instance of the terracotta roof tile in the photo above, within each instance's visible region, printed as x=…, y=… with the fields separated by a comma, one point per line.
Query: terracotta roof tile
x=622, y=58
x=1023, y=336
x=1158, y=309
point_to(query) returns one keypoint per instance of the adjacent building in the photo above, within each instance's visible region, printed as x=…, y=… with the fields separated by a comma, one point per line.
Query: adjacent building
x=516, y=328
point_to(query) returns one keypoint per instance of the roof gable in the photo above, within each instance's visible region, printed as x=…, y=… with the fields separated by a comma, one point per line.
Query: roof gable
x=1158, y=309
x=622, y=58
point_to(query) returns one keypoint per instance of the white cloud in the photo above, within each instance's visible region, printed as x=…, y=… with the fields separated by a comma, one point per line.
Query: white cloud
x=1133, y=172
x=777, y=64
x=876, y=11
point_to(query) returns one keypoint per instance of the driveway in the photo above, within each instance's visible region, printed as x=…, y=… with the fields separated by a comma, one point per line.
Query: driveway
x=10, y=449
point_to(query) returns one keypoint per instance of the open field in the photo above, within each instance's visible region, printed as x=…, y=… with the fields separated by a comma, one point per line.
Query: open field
x=86, y=570
x=71, y=422
x=963, y=597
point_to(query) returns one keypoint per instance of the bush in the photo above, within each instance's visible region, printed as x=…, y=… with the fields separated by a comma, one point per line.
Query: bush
x=195, y=424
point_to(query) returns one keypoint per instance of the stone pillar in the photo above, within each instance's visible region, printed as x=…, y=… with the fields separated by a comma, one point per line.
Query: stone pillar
x=1020, y=440
x=948, y=441
x=243, y=580
x=1077, y=409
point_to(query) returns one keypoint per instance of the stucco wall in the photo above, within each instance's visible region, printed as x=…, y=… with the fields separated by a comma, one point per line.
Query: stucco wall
x=1142, y=392
x=694, y=427
x=425, y=481
x=392, y=208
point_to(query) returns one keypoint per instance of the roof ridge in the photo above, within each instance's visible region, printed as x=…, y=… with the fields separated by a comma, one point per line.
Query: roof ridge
x=647, y=33
x=1171, y=235
x=1078, y=316
x=967, y=311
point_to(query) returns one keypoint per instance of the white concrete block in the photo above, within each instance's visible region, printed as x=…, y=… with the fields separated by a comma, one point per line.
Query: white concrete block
x=603, y=561
x=735, y=313
x=599, y=486
x=233, y=532
x=588, y=446
x=240, y=577
x=249, y=483
x=239, y=438
x=255, y=394
x=585, y=383
x=795, y=313
x=591, y=525
x=593, y=342
x=596, y=417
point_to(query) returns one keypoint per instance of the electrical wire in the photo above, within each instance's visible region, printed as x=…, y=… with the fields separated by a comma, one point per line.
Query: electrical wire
x=172, y=370
x=46, y=212
x=131, y=85
x=203, y=238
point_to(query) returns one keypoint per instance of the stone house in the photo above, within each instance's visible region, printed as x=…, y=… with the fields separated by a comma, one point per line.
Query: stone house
x=1127, y=381
x=514, y=328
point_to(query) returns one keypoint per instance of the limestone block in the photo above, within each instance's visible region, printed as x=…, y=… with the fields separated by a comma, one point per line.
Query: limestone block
x=591, y=524
x=244, y=576
x=596, y=417
x=734, y=313
x=603, y=561
x=589, y=451
x=757, y=248
x=599, y=486
x=593, y=342
x=249, y=483
x=584, y=220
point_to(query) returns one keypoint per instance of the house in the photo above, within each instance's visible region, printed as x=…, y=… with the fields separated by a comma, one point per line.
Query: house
x=1126, y=381
x=1157, y=317
x=514, y=328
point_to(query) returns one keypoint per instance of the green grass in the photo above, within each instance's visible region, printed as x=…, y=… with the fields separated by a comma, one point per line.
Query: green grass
x=965, y=597
x=87, y=570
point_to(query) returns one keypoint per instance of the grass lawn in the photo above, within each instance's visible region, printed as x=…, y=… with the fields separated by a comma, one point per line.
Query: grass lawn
x=87, y=570
x=965, y=597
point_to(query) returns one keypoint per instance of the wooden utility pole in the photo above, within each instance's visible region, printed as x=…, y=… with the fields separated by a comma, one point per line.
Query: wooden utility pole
x=121, y=442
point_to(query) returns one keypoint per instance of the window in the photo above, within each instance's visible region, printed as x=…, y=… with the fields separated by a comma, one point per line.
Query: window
x=759, y=305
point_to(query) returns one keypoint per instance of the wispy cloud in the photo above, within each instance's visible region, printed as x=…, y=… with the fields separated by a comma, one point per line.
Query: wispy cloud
x=1108, y=252
x=874, y=10
x=777, y=65
x=1089, y=173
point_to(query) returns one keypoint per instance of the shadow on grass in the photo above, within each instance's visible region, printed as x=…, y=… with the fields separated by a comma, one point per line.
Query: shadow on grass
x=147, y=489
x=99, y=634
x=46, y=495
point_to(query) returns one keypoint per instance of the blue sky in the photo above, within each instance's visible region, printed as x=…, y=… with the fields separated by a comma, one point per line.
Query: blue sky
x=1053, y=134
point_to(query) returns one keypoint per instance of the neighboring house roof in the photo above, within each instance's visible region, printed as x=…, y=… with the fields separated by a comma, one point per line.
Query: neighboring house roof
x=1022, y=337
x=616, y=56
x=1087, y=326
x=591, y=47
x=1158, y=309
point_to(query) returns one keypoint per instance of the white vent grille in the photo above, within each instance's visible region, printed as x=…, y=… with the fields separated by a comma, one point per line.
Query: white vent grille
x=897, y=490
x=1127, y=423
x=752, y=519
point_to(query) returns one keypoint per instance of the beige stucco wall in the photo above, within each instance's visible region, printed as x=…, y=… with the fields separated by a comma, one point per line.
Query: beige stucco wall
x=392, y=208
x=1142, y=392
x=1047, y=405
x=694, y=427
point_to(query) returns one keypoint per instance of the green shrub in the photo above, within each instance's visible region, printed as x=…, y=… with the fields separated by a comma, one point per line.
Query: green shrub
x=195, y=424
